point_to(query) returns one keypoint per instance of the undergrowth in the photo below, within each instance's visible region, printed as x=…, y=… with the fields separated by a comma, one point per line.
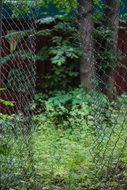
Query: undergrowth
x=75, y=143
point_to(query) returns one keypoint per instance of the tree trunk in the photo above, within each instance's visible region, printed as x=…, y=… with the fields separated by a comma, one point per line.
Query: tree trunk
x=111, y=19
x=86, y=28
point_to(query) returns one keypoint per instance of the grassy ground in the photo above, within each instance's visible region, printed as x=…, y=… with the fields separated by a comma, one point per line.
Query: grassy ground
x=69, y=160
x=67, y=151
x=65, y=160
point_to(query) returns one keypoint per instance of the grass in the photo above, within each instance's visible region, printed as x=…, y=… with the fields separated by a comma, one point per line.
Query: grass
x=63, y=156
x=78, y=157
x=65, y=159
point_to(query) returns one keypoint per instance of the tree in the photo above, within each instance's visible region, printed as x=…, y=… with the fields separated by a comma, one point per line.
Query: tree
x=86, y=28
x=111, y=20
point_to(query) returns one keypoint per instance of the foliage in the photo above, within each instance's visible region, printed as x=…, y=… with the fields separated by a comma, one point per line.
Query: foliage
x=63, y=52
x=107, y=57
x=75, y=119
x=15, y=153
x=60, y=107
x=19, y=8
x=25, y=6
x=69, y=139
x=63, y=49
x=76, y=136
x=66, y=150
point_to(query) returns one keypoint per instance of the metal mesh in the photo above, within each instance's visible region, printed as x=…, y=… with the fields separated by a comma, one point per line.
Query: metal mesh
x=110, y=125
x=17, y=89
x=105, y=58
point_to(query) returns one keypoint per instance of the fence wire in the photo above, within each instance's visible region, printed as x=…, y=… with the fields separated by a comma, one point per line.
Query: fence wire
x=17, y=89
x=105, y=58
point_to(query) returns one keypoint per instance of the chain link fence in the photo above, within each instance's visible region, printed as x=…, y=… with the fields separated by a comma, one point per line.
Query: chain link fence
x=17, y=89
x=58, y=159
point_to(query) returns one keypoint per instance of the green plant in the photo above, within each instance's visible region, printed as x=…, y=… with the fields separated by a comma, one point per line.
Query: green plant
x=63, y=52
x=16, y=152
x=92, y=123
x=76, y=140
x=93, y=107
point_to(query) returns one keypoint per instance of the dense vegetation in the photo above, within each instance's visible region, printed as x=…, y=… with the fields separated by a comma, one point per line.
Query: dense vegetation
x=79, y=131
x=76, y=141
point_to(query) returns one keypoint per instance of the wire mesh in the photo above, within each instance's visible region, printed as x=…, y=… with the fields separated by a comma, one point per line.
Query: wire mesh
x=110, y=168
x=17, y=83
x=103, y=60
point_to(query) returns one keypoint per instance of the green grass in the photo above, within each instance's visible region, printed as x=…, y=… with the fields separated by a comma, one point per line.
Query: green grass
x=63, y=156
x=64, y=159
x=70, y=149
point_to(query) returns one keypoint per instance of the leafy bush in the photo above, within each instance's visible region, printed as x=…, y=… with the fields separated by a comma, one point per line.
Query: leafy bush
x=62, y=106
x=63, y=52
